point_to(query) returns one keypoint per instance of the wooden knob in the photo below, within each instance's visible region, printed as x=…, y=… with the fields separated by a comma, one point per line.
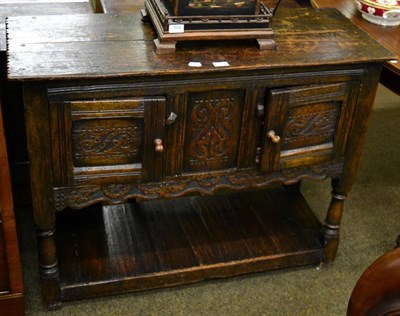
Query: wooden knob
x=274, y=138
x=158, y=146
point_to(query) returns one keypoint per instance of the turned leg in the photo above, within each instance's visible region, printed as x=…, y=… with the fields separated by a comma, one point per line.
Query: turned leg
x=330, y=230
x=48, y=269
x=40, y=153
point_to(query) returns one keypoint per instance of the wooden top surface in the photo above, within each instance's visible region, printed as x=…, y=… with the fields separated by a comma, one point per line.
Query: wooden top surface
x=10, y=8
x=99, y=46
x=388, y=36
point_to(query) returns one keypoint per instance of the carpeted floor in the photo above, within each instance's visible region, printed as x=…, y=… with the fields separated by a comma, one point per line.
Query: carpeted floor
x=370, y=225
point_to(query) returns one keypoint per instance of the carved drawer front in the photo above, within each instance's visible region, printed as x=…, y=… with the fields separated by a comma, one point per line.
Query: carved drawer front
x=107, y=140
x=307, y=124
x=212, y=132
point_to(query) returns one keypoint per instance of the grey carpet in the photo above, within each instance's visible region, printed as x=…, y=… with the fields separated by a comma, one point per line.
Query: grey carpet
x=370, y=225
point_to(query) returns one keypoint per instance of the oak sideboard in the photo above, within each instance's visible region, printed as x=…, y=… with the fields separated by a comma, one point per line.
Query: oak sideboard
x=148, y=172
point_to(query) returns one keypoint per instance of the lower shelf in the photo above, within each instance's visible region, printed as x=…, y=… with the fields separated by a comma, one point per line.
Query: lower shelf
x=114, y=249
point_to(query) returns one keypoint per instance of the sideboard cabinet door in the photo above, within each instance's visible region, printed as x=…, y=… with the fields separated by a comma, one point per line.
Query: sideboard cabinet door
x=107, y=140
x=305, y=125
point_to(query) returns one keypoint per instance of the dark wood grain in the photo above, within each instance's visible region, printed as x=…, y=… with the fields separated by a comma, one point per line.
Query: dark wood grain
x=213, y=125
x=311, y=122
x=183, y=241
x=377, y=291
x=132, y=6
x=100, y=74
x=325, y=32
x=12, y=92
x=11, y=286
x=42, y=203
x=34, y=8
x=4, y=273
x=385, y=35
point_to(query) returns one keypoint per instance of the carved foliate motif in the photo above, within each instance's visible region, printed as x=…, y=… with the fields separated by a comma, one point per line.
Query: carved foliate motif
x=94, y=144
x=211, y=121
x=212, y=130
x=79, y=197
x=312, y=127
x=311, y=124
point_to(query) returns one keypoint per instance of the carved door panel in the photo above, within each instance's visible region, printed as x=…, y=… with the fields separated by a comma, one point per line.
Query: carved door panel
x=109, y=140
x=306, y=125
x=212, y=132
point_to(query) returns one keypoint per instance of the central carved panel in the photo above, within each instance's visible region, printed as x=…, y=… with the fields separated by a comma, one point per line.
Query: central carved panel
x=213, y=123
